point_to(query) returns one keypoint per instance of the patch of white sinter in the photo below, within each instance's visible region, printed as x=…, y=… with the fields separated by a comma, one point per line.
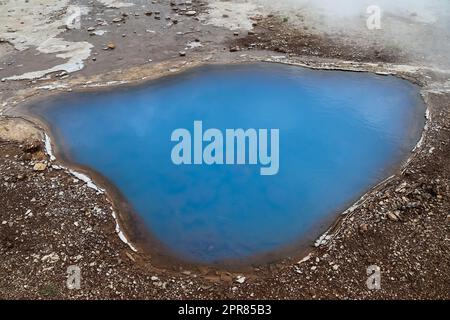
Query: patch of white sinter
x=27, y=24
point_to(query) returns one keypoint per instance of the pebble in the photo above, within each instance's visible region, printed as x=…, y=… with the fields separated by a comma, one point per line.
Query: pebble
x=40, y=166
x=240, y=279
x=392, y=216
x=364, y=227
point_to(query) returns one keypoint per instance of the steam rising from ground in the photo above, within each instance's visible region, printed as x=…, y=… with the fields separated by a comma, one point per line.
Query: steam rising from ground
x=418, y=28
x=426, y=9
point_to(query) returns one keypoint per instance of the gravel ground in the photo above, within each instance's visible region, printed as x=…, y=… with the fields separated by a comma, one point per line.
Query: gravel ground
x=50, y=220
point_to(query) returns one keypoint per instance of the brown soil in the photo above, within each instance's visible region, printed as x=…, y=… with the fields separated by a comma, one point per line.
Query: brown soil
x=274, y=34
x=49, y=221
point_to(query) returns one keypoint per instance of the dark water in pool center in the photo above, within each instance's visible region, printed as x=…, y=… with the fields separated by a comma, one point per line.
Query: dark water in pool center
x=339, y=134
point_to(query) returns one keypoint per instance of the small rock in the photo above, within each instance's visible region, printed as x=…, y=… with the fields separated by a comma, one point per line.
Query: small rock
x=309, y=256
x=191, y=13
x=240, y=279
x=364, y=227
x=111, y=46
x=182, y=53
x=40, y=166
x=130, y=257
x=392, y=216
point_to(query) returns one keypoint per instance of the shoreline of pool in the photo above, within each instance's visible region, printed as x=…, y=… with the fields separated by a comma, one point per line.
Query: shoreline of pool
x=114, y=196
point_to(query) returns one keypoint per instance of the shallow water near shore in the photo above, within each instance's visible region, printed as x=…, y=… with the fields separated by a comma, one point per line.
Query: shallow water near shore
x=340, y=133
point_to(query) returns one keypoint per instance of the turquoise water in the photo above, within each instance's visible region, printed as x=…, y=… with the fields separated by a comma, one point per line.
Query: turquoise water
x=339, y=134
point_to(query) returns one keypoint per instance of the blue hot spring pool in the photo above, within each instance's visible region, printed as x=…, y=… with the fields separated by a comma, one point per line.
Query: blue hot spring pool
x=339, y=134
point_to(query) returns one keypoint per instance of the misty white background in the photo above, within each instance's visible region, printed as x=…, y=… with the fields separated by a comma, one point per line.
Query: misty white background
x=419, y=28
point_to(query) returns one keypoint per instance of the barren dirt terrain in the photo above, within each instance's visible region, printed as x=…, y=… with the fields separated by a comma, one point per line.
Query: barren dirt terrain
x=51, y=218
